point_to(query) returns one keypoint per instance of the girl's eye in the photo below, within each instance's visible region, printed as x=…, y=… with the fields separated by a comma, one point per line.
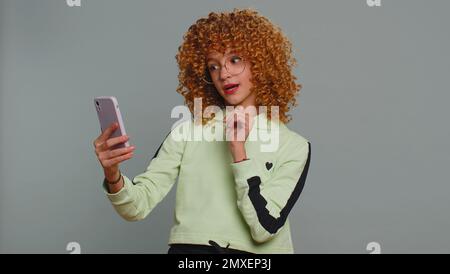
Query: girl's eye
x=212, y=67
x=235, y=59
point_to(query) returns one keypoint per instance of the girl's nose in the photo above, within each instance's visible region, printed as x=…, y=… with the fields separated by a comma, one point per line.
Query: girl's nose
x=224, y=73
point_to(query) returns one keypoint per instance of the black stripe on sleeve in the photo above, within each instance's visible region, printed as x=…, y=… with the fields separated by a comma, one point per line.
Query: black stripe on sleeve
x=157, y=151
x=267, y=221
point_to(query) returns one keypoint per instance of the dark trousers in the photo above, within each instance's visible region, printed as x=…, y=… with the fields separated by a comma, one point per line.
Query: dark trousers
x=214, y=248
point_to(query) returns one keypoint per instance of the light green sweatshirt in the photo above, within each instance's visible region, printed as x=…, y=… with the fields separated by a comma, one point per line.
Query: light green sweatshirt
x=244, y=205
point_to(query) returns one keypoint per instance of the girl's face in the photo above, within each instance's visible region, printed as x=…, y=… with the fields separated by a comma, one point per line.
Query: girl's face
x=228, y=70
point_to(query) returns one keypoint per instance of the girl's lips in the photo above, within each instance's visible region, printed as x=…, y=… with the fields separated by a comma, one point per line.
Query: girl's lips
x=231, y=91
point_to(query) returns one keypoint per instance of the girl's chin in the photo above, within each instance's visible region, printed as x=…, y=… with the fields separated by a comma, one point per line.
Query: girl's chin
x=233, y=102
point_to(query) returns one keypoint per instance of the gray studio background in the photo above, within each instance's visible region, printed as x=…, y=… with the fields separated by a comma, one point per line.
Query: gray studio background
x=374, y=106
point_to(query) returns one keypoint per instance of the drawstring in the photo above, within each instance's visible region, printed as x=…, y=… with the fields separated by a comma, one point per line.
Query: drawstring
x=218, y=247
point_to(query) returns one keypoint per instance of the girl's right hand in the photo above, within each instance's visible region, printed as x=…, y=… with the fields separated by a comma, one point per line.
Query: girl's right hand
x=111, y=158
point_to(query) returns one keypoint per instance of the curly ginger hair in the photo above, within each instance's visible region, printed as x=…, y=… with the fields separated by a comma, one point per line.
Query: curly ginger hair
x=258, y=40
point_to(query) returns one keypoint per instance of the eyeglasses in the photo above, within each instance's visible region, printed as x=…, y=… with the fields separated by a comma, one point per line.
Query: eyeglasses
x=234, y=64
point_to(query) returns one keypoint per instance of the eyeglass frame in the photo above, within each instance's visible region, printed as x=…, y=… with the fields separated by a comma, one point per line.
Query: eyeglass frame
x=225, y=65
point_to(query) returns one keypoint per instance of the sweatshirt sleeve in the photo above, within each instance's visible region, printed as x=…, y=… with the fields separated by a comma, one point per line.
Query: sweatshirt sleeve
x=138, y=197
x=265, y=205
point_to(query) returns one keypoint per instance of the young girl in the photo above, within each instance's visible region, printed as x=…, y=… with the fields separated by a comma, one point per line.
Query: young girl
x=233, y=195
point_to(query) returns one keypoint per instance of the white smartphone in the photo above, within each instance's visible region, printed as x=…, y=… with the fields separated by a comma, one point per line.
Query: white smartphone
x=108, y=112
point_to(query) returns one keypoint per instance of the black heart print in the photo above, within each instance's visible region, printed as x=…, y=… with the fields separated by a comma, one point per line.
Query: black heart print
x=269, y=165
